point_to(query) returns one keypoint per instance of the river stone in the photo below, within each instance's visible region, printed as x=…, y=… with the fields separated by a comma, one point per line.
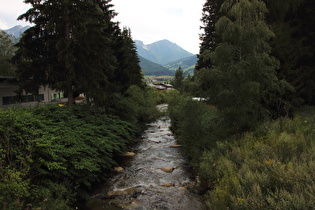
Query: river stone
x=162, y=127
x=168, y=185
x=119, y=169
x=168, y=169
x=129, y=154
x=175, y=146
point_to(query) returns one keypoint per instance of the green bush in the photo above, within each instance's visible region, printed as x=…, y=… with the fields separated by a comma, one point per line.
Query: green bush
x=272, y=168
x=138, y=106
x=194, y=123
x=54, y=153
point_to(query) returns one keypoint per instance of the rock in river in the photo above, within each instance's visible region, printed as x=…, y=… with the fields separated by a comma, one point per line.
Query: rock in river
x=168, y=169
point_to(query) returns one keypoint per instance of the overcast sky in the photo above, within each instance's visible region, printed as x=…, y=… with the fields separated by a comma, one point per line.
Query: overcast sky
x=149, y=20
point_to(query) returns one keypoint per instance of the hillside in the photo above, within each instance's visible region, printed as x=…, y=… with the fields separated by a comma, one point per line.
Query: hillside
x=161, y=52
x=150, y=68
x=187, y=64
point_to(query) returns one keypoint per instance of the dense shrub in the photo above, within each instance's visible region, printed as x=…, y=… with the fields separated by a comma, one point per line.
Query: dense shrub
x=195, y=125
x=53, y=154
x=272, y=168
x=138, y=106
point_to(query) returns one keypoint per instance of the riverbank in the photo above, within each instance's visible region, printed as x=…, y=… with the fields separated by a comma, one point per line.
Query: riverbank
x=155, y=178
x=270, y=167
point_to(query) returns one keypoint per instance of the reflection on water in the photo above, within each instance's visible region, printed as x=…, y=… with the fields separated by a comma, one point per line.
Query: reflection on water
x=155, y=178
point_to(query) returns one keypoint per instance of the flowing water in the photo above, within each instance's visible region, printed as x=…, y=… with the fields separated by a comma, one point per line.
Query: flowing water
x=156, y=177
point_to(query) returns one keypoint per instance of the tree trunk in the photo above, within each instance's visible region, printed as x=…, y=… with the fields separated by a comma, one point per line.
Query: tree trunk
x=70, y=92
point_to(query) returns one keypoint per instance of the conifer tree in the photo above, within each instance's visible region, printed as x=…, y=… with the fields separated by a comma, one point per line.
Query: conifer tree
x=7, y=51
x=68, y=48
x=209, y=40
x=243, y=82
x=128, y=71
x=293, y=22
x=178, y=79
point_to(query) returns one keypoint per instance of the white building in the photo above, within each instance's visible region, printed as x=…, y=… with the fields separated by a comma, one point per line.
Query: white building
x=8, y=96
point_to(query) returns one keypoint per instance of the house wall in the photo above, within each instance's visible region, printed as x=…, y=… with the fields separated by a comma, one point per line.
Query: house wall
x=8, y=90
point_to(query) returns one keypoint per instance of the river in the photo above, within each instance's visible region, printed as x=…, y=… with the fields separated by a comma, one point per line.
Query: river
x=155, y=177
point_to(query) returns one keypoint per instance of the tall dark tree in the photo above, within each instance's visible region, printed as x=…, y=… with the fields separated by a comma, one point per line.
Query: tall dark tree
x=178, y=81
x=128, y=71
x=67, y=48
x=242, y=81
x=209, y=39
x=7, y=51
x=293, y=22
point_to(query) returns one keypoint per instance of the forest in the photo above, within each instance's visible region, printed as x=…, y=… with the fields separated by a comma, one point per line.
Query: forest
x=249, y=139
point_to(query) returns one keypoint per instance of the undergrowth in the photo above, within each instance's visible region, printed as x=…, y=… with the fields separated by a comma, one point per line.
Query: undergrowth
x=271, y=168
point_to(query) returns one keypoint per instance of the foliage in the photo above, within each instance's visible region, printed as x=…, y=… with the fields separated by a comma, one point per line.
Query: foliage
x=195, y=125
x=137, y=106
x=76, y=47
x=242, y=82
x=178, y=79
x=209, y=39
x=7, y=51
x=54, y=154
x=293, y=24
x=128, y=71
x=271, y=168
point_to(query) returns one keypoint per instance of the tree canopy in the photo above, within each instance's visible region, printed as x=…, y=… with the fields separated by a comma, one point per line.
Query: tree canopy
x=72, y=47
x=292, y=23
x=7, y=51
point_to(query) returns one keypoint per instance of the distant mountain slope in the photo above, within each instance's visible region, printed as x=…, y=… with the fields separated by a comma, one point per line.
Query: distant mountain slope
x=16, y=31
x=161, y=52
x=150, y=68
x=187, y=64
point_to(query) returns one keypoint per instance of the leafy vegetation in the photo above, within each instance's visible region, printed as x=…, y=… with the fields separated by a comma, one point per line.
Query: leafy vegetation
x=77, y=48
x=7, y=50
x=271, y=168
x=52, y=155
x=248, y=138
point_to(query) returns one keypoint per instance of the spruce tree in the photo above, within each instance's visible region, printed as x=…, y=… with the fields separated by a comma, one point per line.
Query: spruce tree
x=178, y=81
x=7, y=51
x=293, y=22
x=68, y=48
x=209, y=40
x=128, y=71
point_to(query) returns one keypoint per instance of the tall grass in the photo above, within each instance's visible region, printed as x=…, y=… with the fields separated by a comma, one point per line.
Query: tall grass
x=271, y=168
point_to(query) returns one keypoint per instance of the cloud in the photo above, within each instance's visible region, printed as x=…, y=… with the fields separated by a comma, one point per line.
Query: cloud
x=3, y=25
x=10, y=10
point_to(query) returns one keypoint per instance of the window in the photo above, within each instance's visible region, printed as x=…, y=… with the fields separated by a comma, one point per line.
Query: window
x=7, y=100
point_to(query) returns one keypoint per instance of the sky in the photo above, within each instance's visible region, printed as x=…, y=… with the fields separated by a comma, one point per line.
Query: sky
x=149, y=20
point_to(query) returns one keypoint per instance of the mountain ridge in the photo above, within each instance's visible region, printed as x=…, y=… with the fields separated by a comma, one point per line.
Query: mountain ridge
x=153, y=69
x=17, y=30
x=158, y=58
x=187, y=64
x=161, y=52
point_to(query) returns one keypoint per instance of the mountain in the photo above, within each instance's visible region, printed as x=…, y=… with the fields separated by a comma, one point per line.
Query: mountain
x=16, y=31
x=150, y=68
x=161, y=52
x=187, y=64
